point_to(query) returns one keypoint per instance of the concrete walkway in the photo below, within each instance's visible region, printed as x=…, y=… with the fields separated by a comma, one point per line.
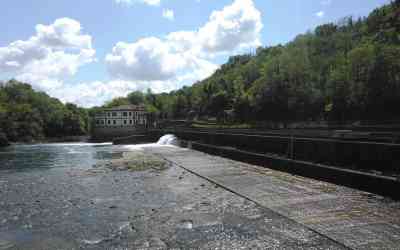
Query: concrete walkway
x=355, y=219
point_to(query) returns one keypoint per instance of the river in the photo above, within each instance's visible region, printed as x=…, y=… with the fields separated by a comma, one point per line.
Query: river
x=50, y=199
x=52, y=196
x=39, y=157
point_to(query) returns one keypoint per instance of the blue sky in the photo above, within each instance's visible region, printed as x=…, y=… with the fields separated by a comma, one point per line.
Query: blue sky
x=88, y=52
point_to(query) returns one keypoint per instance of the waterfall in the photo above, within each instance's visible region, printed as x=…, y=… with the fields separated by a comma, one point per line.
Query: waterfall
x=168, y=140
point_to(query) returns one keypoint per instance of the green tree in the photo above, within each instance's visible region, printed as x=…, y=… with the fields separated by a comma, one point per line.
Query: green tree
x=136, y=98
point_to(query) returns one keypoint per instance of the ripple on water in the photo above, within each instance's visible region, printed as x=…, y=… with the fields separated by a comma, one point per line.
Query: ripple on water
x=92, y=242
x=186, y=224
x=57, y=155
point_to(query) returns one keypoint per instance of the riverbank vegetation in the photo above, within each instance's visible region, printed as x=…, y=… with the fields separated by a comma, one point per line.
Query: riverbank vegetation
x=28, y=115
x=344, y=72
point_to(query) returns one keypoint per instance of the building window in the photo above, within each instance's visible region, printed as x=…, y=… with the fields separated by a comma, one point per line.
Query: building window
x=125, y=113
x=97, y=122
x=108, y=114
x=114, y=122
x=114, y=113
x=130, y=113
x=125, y=122
x=109, y=122
x=130, y=122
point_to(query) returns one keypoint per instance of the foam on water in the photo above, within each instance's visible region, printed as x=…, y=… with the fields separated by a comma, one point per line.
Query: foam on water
x=168, y=140
x=77, y=144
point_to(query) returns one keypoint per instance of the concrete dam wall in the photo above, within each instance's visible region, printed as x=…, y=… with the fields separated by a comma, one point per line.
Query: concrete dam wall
x=362, y=165
x=381, y=157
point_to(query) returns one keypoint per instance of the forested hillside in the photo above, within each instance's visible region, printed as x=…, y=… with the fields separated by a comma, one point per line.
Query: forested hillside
x=26, y=114
x=344, y=71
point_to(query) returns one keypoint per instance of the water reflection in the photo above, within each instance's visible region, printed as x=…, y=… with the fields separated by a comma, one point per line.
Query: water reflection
x=83, y=155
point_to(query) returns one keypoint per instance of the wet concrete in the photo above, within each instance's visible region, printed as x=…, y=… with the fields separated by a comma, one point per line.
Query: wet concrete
x=355, y=219
x=168, y=208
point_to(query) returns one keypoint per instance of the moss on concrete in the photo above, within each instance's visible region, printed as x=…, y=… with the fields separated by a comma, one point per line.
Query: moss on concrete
x=135, y=161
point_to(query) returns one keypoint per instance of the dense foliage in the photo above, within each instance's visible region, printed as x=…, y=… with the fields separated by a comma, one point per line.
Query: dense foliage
x=27, y=115
x=345, y=71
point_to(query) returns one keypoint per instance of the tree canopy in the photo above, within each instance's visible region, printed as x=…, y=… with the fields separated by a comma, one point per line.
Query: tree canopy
x=26, y=114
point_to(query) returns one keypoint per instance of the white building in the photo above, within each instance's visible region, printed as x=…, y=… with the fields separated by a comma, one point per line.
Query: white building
x=122, y=117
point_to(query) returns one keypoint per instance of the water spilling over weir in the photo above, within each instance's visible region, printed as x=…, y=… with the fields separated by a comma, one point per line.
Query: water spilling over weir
x=168, y=140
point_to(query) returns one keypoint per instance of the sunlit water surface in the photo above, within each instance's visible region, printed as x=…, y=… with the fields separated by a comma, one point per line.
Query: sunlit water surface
x=23, y=157
x=57, y=155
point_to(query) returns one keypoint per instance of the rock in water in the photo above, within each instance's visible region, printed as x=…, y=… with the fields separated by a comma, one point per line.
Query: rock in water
x=3, y=140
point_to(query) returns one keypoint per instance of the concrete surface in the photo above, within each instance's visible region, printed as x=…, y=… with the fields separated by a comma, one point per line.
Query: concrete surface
x=354, y=219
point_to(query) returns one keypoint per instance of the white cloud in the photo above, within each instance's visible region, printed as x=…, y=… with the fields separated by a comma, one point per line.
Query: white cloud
x=96, y=93
x=148, y=59
x=64, y=33
x=168, y=14
x=148, y=2
x=188, y=52
x=320, y=14
x=326, y=2
x=236, y=25
x=20, y=53
x=55, y=51
x=89, y=94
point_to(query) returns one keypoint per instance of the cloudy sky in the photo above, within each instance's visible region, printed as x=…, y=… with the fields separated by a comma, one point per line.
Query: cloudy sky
x=88, y=52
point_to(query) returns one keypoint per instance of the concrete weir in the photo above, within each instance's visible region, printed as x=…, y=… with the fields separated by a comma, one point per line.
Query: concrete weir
x=382, y=185
x=351, y=218
x=298, y=191
x=268, y=151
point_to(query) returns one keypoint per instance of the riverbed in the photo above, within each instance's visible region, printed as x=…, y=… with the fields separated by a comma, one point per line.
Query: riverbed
x=71, y=196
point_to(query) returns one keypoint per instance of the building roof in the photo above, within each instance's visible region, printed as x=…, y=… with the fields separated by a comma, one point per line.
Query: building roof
x=127, y=107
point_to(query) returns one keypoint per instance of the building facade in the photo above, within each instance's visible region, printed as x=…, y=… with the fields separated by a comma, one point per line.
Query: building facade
x=122, y=116
x=120, y=121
